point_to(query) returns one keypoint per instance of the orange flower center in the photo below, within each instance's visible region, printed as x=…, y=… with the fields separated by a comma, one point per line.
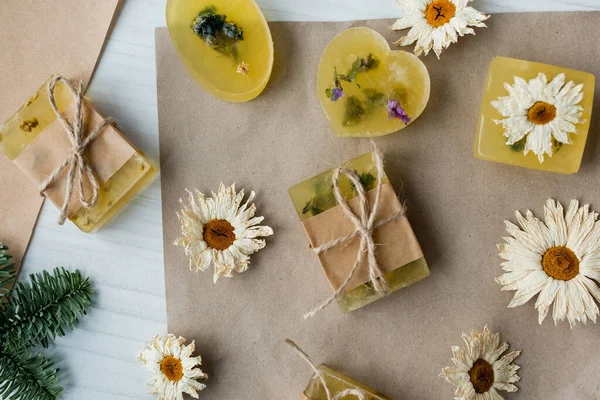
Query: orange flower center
x=560, y=263
x=219, y=234
x=482, y=375
x=172, y=368
x=440, y=12
x=541, y=113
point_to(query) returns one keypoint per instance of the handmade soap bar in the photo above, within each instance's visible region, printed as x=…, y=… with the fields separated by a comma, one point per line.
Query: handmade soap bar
x=368, y=90
x=226, y=45
x=37, y=143
x=336, y=383
x=398, y=252
x=535, y=115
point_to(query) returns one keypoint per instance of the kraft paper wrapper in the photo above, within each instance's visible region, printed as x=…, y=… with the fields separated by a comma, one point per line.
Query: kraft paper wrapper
x=38, y=38
x=106, y=155
x=303, y=397
x=456, y=205
x=396, y=241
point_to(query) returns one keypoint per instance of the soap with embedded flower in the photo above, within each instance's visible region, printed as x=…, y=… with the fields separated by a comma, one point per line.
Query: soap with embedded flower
x=226, y=45
x=368, y=90
x=336, y=383
x=535, y=115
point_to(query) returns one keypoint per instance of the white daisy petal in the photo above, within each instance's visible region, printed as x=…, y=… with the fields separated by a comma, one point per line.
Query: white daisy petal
x=559, y=259
x=221, y=231
x=482, y=350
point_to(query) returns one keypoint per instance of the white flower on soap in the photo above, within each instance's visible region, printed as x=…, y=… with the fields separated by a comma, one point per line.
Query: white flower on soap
x=435, y=24
x=221, y=231
x=480, y=370
x=559, y=259
x=540, y=112
x=174, y=370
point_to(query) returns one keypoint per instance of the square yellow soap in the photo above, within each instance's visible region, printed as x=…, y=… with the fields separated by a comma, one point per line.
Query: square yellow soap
x=491, y=142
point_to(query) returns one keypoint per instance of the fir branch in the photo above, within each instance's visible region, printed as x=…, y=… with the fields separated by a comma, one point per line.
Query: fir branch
x=24, y=376
x=39, y=311
x=7, y=273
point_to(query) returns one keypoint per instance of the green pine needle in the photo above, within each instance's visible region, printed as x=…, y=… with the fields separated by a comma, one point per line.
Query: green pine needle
x=39, y=311
x=7, y=273
x=24, y=376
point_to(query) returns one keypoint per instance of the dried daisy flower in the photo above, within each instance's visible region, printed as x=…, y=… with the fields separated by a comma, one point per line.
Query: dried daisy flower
x=220, y=230
x=243, y=68
x=174, y=370
x=478, y=370
x=435, y=24
x=541, y=112
x=559, y=259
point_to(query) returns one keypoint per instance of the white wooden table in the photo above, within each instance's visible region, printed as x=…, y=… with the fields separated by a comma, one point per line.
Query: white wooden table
x=125, y=259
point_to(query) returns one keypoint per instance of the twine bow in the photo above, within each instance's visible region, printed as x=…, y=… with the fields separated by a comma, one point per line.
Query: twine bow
x=79, y=144
x=347, y=392
x=364, y=226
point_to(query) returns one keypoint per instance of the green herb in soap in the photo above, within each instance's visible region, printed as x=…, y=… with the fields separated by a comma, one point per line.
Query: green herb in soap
x=367, y=181
x=355, y=111
x=323, y=199
x=218, y=33
x=519, y=146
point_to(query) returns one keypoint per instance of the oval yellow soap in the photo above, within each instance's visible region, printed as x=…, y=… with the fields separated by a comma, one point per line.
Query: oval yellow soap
x=225, y=44
x=367, y=89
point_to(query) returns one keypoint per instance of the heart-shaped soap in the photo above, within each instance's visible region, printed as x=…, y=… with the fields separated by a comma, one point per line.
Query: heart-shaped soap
x=225, y=44
x=367, y=89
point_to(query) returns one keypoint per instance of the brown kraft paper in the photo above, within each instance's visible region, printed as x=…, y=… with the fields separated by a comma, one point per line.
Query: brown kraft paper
x=68, y=38
x=106, y=155
x=456, y=205
x=396, y=242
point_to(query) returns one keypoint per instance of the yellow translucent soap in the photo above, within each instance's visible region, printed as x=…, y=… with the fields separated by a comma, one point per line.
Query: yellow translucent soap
x=368, y=90
x=337, y=383
x=226, y=45
x=315, y=195
x=31, y=120
x=491, y=144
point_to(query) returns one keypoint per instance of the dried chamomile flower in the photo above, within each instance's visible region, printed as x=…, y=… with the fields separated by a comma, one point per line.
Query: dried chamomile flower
x=478, y=371
x=435, y=24
x=220, y=230
x=541, y=111
x=174, y=370
x=559, y=259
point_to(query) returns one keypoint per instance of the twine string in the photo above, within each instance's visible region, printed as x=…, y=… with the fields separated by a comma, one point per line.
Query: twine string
x=347, y=392
x=78, y=164
x=364, y=226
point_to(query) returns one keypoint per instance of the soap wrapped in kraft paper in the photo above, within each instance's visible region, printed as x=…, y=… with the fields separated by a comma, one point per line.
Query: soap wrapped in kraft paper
x=357, y=226
x=77, y=158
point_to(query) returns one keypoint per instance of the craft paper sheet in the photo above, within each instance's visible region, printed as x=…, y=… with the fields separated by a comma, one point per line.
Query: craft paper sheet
x=456, y=205
x=37, y=39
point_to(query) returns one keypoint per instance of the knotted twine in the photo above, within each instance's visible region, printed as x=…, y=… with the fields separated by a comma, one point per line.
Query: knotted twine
x=364, y=226
x=79, y=144
x=347, y=392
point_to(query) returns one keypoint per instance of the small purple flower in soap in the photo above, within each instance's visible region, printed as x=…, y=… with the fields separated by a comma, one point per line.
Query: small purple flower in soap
x=396, y=111
x=336, y=93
